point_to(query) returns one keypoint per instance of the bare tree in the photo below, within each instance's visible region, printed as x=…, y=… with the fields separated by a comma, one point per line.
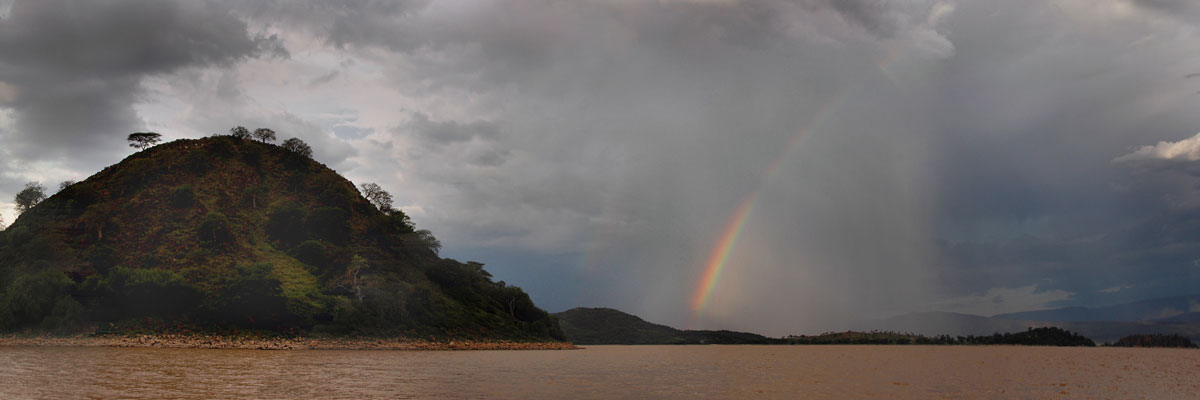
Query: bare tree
x=377, y=196
x=239, y=132
x=29, y=197
x=142, y=140
x=297, y=146
x=264, y=135
x=354, y=276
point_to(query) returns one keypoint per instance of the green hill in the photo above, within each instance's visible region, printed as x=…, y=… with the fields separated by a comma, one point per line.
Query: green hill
x=609, y=326
x=225, y=233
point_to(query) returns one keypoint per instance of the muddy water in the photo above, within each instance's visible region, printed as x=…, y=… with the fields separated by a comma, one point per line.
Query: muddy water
x=685, y=372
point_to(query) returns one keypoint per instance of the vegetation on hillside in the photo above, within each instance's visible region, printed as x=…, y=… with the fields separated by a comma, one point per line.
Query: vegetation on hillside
x=1047, y=336
x=1154, y=340
x=232, y=232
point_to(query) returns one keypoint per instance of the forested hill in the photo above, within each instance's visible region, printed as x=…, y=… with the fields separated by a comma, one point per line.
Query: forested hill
x=609, y=326
x=227, y=233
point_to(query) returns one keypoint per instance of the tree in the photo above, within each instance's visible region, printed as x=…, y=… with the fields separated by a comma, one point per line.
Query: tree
x=142, y=140
x=33, y=194
x=65, y=184
x=353, y=279
x=297, y=146
x=426, y=237
x=264, y=135
x=239, y=132
x=378, y=197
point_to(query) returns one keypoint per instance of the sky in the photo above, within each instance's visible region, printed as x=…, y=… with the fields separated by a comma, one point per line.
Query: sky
x=781, y=167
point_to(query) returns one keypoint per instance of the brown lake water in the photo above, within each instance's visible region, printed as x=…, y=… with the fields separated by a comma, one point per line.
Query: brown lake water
x=684, y=372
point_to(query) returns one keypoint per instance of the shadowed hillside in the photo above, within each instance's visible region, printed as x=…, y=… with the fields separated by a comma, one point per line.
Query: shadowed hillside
x=225, y=233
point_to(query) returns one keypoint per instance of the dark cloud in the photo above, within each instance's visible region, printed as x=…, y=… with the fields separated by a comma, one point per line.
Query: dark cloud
x=76, y=68
x=874, y=15
x=446, y=132
x=350, y=132
x=1168, y=5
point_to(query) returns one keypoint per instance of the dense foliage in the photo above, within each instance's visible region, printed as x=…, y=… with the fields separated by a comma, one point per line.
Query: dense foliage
x=1154, y=340
x=231, y=233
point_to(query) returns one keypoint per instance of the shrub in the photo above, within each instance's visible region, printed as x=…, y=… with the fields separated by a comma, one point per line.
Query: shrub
x=252, y=296
x=330, y=224
x=313, y=253
x=286, y=224
x=215, y=231
x=101, y=257
x=182, y=196
x=31, y=298
x=127, y=292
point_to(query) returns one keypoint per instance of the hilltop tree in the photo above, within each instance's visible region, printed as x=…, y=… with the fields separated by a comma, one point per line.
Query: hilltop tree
x=426, y=237
x=65, y=184
x=264, y=135
x=298, y=146
x=239, y=132
x=33, y=194
x=142, y=140
x=380, y=198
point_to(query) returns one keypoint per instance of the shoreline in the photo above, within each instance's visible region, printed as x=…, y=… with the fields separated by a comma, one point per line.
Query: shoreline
x=180, y=341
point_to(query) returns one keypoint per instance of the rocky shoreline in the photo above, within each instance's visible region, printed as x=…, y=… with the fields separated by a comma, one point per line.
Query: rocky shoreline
x=190, y=341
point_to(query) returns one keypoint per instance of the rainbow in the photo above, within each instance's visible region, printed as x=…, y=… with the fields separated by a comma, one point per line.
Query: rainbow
x=718, y=258
x=720, y=253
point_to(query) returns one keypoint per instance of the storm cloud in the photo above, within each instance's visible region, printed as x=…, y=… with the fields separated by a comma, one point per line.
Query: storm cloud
x=898, y=156
x=71, y=73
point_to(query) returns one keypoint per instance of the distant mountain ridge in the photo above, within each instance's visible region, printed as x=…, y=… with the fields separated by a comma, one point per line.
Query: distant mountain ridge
x=1168, y=315
x=609, y=326
x=1143, y=310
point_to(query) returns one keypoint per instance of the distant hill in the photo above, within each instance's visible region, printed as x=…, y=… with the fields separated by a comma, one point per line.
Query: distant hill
x=609, y=326
x=1044, y=336
x=1129, y=312
x=226, y=233
x=944, y=323
x=1103, y=324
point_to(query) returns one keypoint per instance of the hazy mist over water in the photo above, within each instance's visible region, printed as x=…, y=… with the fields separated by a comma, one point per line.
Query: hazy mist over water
x=606, y=372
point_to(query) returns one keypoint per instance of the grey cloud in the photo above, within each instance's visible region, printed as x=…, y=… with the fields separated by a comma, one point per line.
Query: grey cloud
x=350, y=132
x=1167, y=5
x=873, y=15
x=77, y=67
x=445, y=132
x=323, y=79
